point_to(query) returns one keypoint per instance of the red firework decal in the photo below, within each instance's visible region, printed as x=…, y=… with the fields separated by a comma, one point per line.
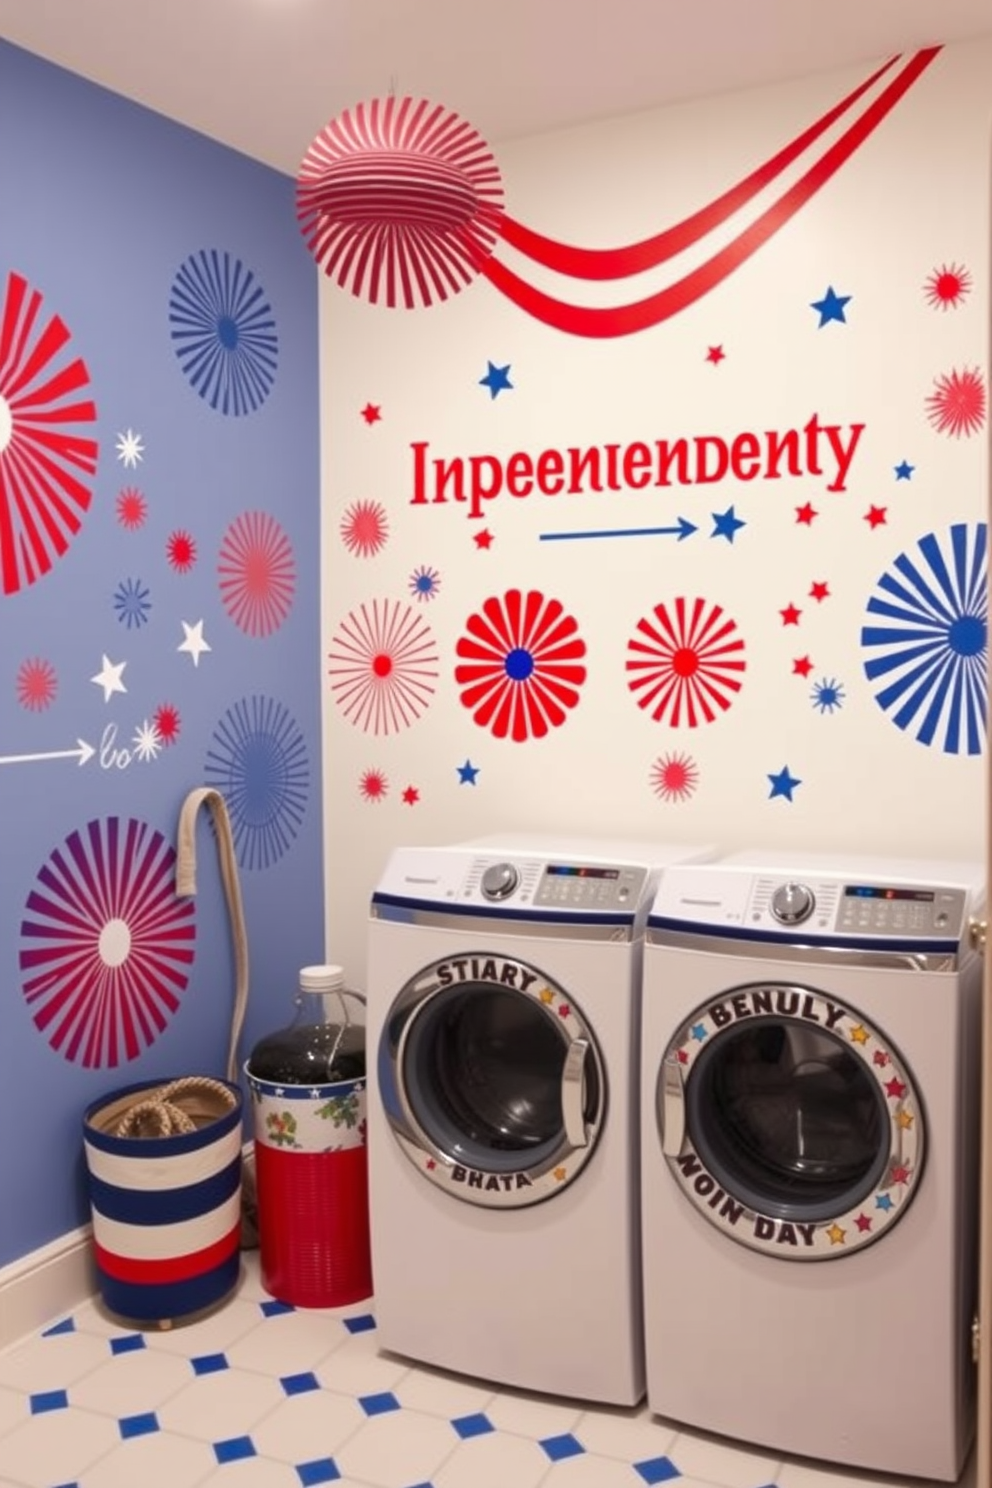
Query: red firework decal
x=257, y=573
x=947, y=287
x=364, y=528
x=958, y=403
x=383, y=667
x=36, y=684
x=167, y=723
x=373, y=786
x=685, y=663
x=399, y=201
x=521, y=665
x=105, y=943
x=41, y=455
x=132, y=508
x=180, y=550
x=674, y=777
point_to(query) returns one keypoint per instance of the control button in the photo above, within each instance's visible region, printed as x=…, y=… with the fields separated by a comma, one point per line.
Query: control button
x=792, y=903
x=499, y=881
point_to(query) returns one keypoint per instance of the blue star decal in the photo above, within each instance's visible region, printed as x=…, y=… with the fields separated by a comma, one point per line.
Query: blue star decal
x=883, y=1202
x=783, y=784
x=467, y=773
x=497, y=379
x=726, y=524
x=904, y=471
x=698, y=1031
x=831, y=307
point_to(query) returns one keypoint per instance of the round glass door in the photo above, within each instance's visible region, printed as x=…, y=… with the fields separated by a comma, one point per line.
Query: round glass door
x=492, y=1080
x=790, y=1122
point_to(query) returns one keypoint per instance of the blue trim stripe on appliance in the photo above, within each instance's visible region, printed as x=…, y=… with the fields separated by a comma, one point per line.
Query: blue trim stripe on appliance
x=497, y=912
x=174, y=1299
x=145, y=1206
x=910, y=945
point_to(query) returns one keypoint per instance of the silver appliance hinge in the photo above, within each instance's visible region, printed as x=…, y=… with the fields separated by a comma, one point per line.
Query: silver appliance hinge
x=976, y=1339
x=978, y=934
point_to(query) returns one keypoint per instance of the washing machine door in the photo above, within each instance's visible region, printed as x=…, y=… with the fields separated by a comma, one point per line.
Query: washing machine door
x=790, y=1122
x=491, y=1080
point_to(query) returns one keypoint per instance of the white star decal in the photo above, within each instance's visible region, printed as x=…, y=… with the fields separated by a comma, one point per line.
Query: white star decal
x=194, y=642
x=109, y=678
x=130, y=449
x=146, y=741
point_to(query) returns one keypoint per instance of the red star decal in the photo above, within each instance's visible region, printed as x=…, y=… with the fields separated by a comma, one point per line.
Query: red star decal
x=875, y=516
x=900, y=1175
x=564, y=1010
x=372, y=413
x=683, y=1057
x=806, y=514
x=715, y=354
x=431, y=1165
x=895, y=1089
x=802, y=666
x=880, y=1058
x=483, y=539
x=819, y=592
x=790, y=615
x=863, y=1222
x=411, y=795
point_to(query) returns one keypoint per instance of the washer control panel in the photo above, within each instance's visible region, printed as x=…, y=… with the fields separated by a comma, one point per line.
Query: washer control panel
x=863, y=909
x=529, y=883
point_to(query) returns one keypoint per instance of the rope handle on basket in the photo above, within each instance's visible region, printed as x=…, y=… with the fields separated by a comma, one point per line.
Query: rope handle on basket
x=161, y=1116
x=186, y=888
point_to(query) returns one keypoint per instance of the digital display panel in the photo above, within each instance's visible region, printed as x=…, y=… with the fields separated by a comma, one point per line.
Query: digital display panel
x=866, y=891
x=562, y=871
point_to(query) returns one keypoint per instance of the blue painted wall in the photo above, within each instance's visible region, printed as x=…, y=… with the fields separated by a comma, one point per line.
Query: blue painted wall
x=159, y=452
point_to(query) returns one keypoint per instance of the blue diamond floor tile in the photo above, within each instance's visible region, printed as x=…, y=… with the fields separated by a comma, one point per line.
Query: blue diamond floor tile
x=234, y=1449
x=360, y=1324
x=298, y=1384
x=324, y=1470
x=48, y=1400
x=474, y=1425
x=560, y=1447
x=67, y=1325
x=141, y=1425
x=128, y=1344
x=209, y=1363
x=377, y=1405
x=275, y=1309
x=657, y=1469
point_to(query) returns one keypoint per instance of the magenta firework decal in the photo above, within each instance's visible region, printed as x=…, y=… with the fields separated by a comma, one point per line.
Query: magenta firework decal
x=105, y=944
x=685, y=662
x=521, y=665
x=927, y=645
x=257, y=573
x=383, y=666
x=46, y=453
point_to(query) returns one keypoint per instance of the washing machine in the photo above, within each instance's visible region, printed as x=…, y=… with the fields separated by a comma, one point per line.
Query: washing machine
x=503, y=1018
x=810, y=1110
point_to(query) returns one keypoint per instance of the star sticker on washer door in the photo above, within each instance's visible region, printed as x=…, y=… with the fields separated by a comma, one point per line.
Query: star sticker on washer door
x=863, y=1222
x=547, y=996
x=900, y=1174
x=883, y=1201
x=904, y=1119
x=698, y=1031
x=561, y=1174
x=895, y=1089
x=836, y=1234
x=194, y=642
x=860, y=1034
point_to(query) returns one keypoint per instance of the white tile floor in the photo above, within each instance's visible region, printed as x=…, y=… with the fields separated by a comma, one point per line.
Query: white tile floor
x=259, y=1395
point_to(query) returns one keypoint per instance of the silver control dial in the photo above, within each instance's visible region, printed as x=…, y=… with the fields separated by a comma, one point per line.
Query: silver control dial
x=792, y=903
x=500, y=880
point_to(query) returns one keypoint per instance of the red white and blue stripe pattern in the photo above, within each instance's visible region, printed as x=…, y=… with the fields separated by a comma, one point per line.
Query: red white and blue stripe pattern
x=166, y=1214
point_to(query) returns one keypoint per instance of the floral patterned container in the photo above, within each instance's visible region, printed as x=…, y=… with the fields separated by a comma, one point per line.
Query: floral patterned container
x=311, y=1169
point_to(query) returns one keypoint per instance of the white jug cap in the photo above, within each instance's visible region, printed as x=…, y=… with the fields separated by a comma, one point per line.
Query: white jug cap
x=321, y=978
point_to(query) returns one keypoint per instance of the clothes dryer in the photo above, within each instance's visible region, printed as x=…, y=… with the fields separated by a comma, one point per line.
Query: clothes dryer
x=810, y=1110
x=503, y=1020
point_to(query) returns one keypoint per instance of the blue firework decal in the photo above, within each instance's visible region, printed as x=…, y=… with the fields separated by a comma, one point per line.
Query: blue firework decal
x=258, y=760
x=827, y=695
x=132, y=603
x=929, y=641
x=223, y=331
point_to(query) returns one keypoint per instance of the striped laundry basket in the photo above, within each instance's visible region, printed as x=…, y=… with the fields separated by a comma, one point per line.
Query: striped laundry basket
x=164, y=1166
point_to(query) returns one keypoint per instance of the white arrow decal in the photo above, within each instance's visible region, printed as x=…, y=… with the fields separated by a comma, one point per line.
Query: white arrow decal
x=82, y=752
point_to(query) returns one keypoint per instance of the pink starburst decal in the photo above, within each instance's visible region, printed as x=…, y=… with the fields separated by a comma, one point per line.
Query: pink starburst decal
x=167, y=723
x=257, y=573
x=105, y=944
x=521, y=665
x=37, y=684
x=373, y=786
x=958, y=403
x=947, y=287
x=364, y=528
x=180, y=550
x=685, y=663
x=674, y=777
x=45, y=419
x=383, y=666
x=132, y=508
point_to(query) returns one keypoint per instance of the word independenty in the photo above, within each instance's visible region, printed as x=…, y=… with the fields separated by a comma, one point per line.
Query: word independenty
x=815, y=450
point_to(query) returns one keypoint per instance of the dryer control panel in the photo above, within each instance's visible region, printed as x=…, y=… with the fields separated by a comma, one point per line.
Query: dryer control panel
x=516, y=882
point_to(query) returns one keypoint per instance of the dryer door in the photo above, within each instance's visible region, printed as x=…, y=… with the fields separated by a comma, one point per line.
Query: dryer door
x=790, y=1122
x=491, y=1080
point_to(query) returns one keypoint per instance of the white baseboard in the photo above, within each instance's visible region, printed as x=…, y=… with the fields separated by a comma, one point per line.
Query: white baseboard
x=40, y=1287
